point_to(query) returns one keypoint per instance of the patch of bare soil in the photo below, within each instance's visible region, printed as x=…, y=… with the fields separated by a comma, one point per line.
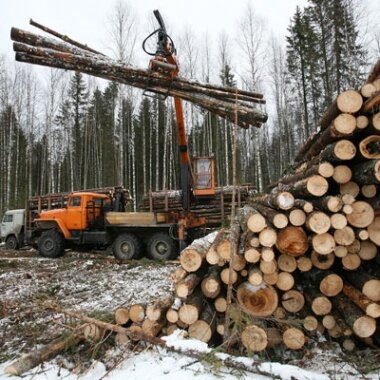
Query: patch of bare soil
x=93, y=283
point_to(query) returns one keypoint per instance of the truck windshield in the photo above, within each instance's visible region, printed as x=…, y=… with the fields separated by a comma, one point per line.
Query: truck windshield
x=8, y=218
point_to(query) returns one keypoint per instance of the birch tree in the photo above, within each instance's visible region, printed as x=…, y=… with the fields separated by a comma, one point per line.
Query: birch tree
x=252, y=46
x=123, y=32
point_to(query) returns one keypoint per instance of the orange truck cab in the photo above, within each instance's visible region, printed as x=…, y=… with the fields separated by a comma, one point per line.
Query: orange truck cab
x=95, y=219
x=83, y=211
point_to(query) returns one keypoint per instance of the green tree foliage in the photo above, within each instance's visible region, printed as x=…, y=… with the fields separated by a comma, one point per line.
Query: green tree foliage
x=324, y=58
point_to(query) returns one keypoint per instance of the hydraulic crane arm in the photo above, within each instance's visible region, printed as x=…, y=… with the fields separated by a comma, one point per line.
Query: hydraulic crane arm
x=165, y=61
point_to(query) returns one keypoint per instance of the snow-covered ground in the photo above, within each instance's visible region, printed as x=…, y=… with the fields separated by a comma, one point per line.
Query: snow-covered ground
x=98, y=284
x=162, y=364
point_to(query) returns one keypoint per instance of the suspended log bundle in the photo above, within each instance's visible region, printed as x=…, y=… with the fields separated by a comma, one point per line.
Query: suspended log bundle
x=237, y=106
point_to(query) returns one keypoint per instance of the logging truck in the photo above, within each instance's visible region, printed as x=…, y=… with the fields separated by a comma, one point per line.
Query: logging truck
x=85, y=221
x=89, y=218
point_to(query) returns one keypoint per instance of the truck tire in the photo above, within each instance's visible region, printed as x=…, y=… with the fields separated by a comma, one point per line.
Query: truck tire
x=162, y=247
x=127, y=247
x=11, y=242
x=51, y=244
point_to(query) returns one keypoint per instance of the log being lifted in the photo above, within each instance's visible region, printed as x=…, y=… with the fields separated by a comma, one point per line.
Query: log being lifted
x=232, y=104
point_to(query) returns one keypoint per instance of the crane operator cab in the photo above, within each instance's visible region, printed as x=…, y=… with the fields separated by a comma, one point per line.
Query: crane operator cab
x=204, y=176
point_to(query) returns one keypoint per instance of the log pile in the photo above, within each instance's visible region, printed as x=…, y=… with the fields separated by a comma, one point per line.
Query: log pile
x=216, y=210
x=237, y=106
x=304, y=259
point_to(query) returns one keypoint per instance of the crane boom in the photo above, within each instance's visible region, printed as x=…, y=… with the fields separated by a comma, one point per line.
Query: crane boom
x=165, y=61
x=203, y=183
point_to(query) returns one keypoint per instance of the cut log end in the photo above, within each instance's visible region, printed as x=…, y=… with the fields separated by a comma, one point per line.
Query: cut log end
x=323, y=243
x=331, y=285
x=200, y=330
x=362, y=215
x=349, y=101
x=321, y=305
x=254, y=338
x=318, y=222
x=326, y=169
x=294, y=338
x=293, y=301
x=137, y=313
x=342, y=174
x=258, y=301
x=188, y=314
x=297, y=217
x=317, y=185
x=292, y=241
x=285, y=200
x=122, y=316
x=310, y=323
x=256, y=222
x=191, y=260
x=365, y=326
x=372, y=290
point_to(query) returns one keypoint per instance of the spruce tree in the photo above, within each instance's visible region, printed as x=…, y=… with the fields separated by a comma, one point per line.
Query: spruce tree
x=78, y=101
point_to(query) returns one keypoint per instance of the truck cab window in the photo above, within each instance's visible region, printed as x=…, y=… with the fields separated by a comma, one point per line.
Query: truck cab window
x=75, y=201
x=203, y=174
x=8, y=218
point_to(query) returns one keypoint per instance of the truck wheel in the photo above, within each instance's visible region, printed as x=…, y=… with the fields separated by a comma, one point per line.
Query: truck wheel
x=162, y=247
x=51, y=244
x=127, y=247
x=11, y=242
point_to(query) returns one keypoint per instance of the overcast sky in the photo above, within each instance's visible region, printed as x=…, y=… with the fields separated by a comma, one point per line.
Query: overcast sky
x=85, y=20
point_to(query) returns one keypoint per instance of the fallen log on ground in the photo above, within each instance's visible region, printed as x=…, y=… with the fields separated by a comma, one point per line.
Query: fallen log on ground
x=45, y=353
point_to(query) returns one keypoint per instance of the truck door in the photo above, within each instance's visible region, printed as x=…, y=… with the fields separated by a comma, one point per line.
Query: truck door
x=7, y=225
x=95, y=217
x=76, y=213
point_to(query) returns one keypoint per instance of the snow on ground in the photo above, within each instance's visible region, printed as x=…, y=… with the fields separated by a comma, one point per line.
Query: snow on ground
x=97, y=284
x=85, y=282
x=160, y=364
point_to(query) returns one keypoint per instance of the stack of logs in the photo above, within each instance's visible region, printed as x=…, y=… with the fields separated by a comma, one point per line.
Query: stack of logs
x=303, y=259
x=216, y=210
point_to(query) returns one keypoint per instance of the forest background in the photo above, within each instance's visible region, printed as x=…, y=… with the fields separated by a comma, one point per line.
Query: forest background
x=62, y=131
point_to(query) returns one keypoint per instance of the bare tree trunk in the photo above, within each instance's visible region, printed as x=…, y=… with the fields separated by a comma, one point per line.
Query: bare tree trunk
x=157, y=143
